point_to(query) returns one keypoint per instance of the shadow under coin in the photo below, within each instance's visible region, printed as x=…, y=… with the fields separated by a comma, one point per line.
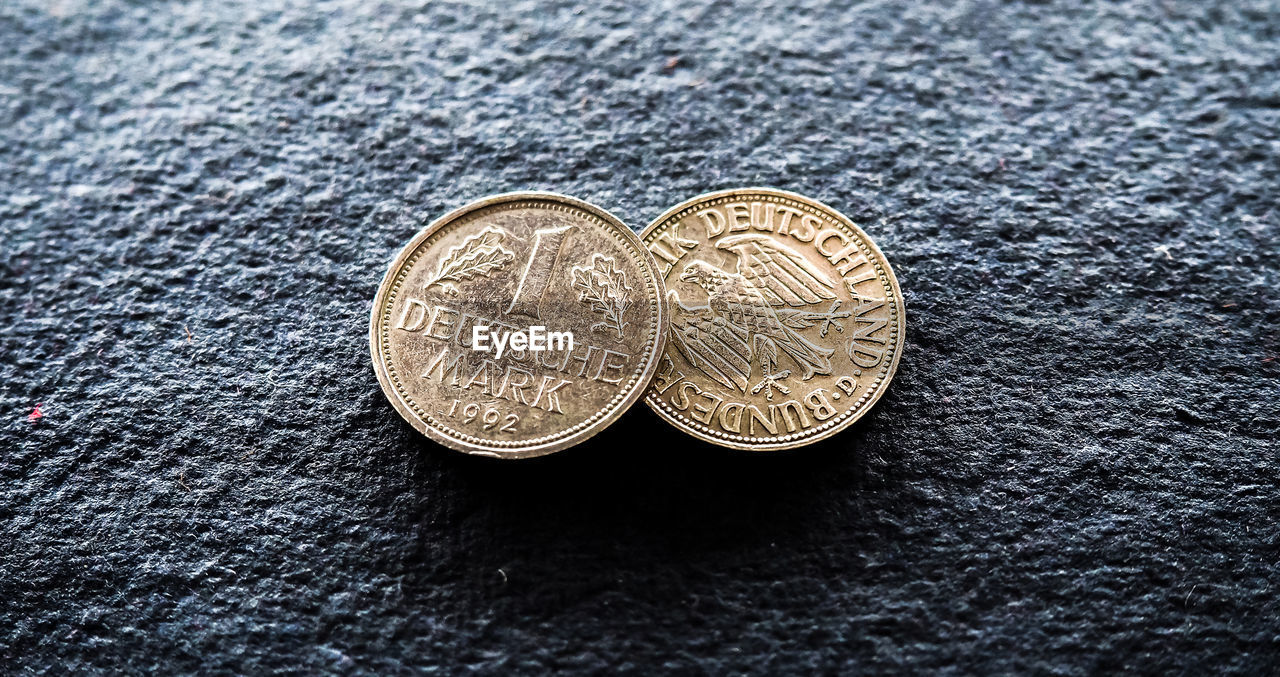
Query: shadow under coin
x=642, y=485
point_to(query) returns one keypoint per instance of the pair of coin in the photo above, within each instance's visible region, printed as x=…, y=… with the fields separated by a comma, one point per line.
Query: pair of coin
x=525, y=323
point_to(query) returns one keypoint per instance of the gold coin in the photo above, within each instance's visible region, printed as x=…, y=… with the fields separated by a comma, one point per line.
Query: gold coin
x=518, y=325
x=786, y=320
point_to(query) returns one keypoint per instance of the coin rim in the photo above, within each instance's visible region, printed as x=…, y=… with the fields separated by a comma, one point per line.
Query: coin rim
x=642, y=380
x=850, y=417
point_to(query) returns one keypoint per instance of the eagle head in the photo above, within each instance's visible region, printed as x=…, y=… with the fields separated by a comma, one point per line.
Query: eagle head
x=702, y=274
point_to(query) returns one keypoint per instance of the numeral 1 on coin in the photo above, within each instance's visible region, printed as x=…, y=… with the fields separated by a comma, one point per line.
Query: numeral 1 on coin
x=547, y=244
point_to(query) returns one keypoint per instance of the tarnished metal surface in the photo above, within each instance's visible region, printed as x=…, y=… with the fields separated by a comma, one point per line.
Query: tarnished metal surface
x=786, y=320
x=531, y=263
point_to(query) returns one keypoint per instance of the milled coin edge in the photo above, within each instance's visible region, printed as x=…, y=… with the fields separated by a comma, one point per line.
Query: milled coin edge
x=850, y=417
x=656, y=344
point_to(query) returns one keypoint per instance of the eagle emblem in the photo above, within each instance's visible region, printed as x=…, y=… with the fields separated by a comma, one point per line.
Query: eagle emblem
x=753, y=316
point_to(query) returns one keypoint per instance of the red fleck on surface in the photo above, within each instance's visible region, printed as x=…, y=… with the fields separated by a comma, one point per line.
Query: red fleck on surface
x=36, y=414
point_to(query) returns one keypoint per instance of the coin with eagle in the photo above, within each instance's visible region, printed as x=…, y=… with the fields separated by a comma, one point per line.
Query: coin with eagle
x=787, y=323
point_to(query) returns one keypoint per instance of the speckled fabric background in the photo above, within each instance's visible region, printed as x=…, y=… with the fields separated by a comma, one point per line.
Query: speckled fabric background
x=1074, y=472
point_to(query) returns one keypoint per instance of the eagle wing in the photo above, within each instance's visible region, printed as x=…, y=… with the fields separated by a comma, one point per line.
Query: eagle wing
x=781, y=275
x=718, y=348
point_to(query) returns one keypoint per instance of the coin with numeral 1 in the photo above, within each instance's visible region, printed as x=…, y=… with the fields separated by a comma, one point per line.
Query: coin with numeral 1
x=786, y=320
x=518, y=325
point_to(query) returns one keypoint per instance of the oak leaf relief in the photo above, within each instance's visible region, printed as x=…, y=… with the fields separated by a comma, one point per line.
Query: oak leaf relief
x=480, y=255
x=604, y=288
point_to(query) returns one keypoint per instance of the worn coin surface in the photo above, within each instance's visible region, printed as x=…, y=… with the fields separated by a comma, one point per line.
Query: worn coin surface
x=786, y=320
x=469, y=326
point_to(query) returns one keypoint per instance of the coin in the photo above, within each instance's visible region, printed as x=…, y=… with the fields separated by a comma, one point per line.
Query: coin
x=518, y=325
x=786, y=320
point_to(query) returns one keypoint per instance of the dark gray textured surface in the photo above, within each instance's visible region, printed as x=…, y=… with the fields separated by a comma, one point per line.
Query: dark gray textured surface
x=1075, y=470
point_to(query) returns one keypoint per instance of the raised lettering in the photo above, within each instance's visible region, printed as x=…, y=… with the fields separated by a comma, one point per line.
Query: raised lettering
x=821, y=239
x=680, y=400
x=732, y=422
x=444, y=319
x=770, y=424
x=784, y=226
x=739, y=216
x=550, y=394
x=480, y=377
x=819, y=404
x=702, y=413
x=511, y=385
x=865, y=276
x=669, y=248
x=847, y=385
x=667, y=375
x=848, y=259
x=864, y=356
x=789, y=407
x=571, y=356
x=607, y=363
x=439, y=363
x=762, y=216
x=809, y=225
x=867, y=327
x=410, y=306
x=715, y=226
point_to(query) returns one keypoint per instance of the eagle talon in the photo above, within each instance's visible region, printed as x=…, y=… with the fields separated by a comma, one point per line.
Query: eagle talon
x=829, y=319
x=772, y=382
